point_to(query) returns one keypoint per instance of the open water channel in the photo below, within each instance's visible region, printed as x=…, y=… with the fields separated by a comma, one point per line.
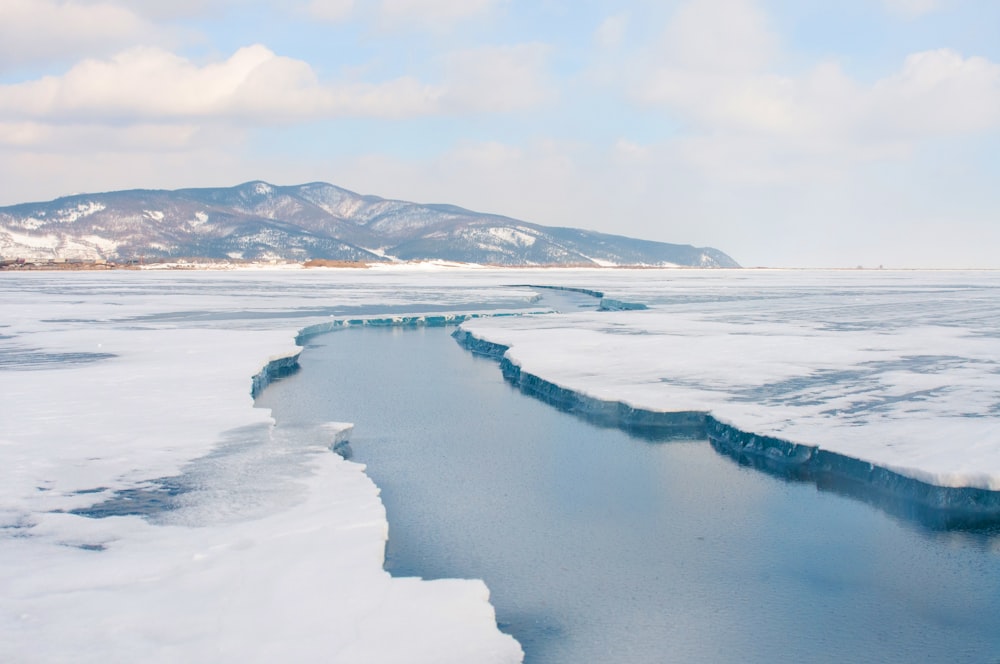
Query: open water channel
x=601, y=547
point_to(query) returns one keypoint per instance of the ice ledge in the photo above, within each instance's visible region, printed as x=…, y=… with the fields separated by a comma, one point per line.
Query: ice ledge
x=933, y=505
x=606, y=303
x=277, y=367
x=936, y=506
x=416, y=320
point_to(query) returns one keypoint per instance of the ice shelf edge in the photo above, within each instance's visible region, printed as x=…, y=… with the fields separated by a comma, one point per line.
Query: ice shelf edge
x=936, y=506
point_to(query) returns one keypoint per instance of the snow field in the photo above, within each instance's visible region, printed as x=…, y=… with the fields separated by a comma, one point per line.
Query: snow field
x=273, y=553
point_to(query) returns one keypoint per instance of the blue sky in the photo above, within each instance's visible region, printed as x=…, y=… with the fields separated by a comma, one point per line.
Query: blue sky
x=787, y=133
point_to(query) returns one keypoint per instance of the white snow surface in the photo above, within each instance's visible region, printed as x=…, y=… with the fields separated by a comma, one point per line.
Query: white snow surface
x=49, y=245
x=46, y=243
x=275, y=556
x=81, y=210
x=113, y=380
x=521, y=237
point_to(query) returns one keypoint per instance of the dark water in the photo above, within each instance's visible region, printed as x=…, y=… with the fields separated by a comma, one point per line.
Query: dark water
x=599, y=547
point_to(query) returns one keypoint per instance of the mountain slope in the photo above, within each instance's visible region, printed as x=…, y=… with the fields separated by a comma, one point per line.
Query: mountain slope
x=257, y=220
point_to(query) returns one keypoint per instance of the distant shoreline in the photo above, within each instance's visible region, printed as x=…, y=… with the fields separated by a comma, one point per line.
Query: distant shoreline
x=207, y=264
x=62, y=265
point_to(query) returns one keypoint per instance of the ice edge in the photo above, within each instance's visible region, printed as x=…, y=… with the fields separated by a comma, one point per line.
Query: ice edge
x=606, y=303
x=281, y=366
x=277, y=367
x=933, y=505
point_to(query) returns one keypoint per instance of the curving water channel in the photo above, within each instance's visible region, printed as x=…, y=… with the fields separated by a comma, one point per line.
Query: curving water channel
x=601, y=547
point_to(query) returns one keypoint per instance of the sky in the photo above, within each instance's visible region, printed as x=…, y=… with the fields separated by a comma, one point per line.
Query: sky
x=787, y=133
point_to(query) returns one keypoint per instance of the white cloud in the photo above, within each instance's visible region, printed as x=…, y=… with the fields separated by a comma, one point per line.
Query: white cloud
x=45, y=30
x=253, y=85
x=498, y=78
x=611, y=31
x=630, y=151
x=158, y=9
x=44, y=175
x=912, y=8
x=434, y=14
x=748, y=123
x=722, y=36
x=332, y=11
x=481, y=175
x=88, y=138
x=151, y=87
x=935, y=92
x=939, y=92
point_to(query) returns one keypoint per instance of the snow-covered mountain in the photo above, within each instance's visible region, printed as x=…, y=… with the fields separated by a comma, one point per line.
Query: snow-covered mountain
x=257, y=220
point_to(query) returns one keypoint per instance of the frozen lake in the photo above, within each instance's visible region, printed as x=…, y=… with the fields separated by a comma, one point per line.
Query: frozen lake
x=223, y=538
x=602, y=547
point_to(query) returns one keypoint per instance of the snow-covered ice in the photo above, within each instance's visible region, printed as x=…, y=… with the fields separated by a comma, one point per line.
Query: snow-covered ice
x=273, y=552
x=898, y=369
x=273, y=546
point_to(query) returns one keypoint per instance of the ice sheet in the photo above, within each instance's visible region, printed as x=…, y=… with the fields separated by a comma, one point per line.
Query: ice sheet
x=901, y=370
x=272, y=547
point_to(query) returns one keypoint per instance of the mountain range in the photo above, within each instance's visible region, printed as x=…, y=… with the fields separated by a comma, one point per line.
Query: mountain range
x=260, y=221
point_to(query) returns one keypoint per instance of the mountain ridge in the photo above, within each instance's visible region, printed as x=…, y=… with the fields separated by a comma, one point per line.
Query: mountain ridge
x=257, y=220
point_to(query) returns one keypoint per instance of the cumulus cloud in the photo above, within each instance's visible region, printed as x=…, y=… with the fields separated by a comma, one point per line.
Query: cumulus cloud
x=939, y=92
x=254, y=84
x=45, y=30
x=935, y=92
x=746, y=121
x=153, y=87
